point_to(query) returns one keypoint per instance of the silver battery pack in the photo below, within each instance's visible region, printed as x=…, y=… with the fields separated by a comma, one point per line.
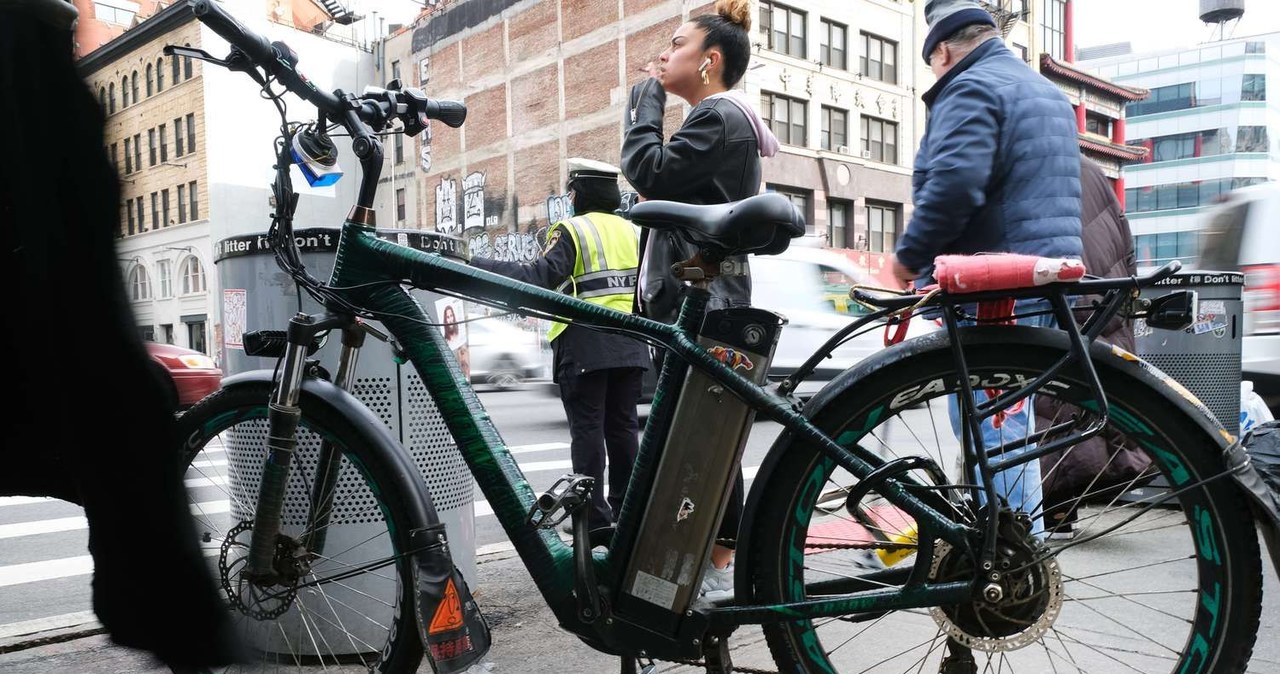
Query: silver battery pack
x=696, y=472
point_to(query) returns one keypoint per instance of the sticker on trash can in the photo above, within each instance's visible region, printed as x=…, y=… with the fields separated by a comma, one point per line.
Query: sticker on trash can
x=234, y=312
x=1212, y=318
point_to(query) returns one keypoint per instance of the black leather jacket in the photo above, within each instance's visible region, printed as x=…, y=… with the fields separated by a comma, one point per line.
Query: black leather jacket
x=714, y=158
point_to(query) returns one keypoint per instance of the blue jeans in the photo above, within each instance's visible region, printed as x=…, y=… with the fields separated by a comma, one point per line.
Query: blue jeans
x=1019, y=485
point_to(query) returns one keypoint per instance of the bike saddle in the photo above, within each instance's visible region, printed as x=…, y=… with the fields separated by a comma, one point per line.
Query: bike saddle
x=762, y=225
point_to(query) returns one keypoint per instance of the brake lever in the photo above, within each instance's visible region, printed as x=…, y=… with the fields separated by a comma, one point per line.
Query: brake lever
x=235, y=61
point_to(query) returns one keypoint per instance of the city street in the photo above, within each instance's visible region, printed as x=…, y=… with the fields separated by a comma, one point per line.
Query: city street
x=44, y=569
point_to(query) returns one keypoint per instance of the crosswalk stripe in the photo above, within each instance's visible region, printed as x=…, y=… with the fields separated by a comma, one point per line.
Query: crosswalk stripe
x=60, y=524
x=23, y=500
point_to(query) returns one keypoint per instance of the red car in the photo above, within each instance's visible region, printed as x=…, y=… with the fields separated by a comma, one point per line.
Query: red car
x=188, y=375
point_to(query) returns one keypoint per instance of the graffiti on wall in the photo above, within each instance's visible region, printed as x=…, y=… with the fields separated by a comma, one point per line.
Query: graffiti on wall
x=473, y=200
x=508, y=246
x=559, y=207
x=447, y=207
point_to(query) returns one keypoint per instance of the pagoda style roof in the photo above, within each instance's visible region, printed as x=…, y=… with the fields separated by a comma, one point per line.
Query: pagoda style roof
x=1051, y=67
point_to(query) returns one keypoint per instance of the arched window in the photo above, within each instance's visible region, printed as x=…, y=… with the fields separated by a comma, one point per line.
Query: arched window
x=192, y=276
x=102, y=98
x=150, y=80
x=186, y=66
x=124, y=92
x=160, y=74
x=177, y=69
x=133, y=87
x=111, y=98
x=139, y=284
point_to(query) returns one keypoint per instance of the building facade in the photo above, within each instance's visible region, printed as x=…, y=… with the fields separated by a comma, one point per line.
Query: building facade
x=193, y=146
x=545, y=80
x=1206, y=127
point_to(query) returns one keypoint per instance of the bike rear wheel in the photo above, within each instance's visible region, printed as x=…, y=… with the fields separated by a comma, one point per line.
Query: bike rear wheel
x=1176, y=588
x=345, y=603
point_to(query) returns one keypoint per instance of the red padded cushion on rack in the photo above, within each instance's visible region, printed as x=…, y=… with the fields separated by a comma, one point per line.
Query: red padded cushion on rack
x=959, y=274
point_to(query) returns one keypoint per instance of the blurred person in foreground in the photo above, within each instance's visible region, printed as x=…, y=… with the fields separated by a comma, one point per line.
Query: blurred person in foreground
x=59, y=210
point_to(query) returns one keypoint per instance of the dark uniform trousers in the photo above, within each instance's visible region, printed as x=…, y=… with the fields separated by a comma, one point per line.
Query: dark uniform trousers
x=601, y=406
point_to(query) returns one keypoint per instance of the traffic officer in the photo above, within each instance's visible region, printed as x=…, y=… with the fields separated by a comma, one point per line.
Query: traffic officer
x=593, y=256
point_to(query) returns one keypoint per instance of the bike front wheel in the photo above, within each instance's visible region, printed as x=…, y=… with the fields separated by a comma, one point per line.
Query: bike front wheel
x=342, y=595
x=1139, y=588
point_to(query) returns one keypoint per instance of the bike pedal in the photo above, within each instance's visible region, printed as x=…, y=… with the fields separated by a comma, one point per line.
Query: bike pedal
x=569, y=493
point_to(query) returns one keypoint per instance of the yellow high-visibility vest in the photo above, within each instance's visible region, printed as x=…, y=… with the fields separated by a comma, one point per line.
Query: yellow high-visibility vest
x=607, y=264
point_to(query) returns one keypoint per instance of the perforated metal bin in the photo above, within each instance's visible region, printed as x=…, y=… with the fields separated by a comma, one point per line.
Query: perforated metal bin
x=257, y=295
x=1205, y=358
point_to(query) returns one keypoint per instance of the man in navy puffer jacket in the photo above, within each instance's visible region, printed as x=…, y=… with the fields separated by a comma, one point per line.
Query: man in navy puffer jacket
x=999, y=166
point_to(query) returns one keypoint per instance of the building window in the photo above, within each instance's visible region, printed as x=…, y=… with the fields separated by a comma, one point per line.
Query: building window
x=111, y=98
x=166, y=333
x=151, y=145
x=783, y=28
x=1173, y=97
x=802, y=200
x=835, y=129
x=191, y=133
x=133, y=87
x=182, y=203
x=1207, y=143
x=1183, y=195
x=120, y=16
x=128, y=157
x=159, y=74
x=129, y=206
x=137, y=151
x=191, y=192
x=139, y=284
x=124, y=92
x=1097, y=124
x=142, y=215
x=400, y=205
x=786, y=117
x=186, y=67
x=164, y=269
x=1158, y=249
x=177, y=69
x=155, y=210
x=1022, y=52
x=834, y=45
x=879, y=59
x=177, y=137
x=151, y=77
x=395, y=71
x=882, y=227
x=164, y=144
x=398, y=147
x=164, y=207
x=1254, y=88
x=1054, y=21
x=838, y=223
x=102, y=99
x=115, y=155
x=879, y=140
x=192, y=276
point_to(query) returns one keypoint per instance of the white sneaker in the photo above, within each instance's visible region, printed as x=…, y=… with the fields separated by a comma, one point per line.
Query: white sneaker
x=717, y=583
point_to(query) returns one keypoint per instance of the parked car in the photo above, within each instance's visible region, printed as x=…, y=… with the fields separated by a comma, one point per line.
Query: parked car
x=502, y=354
x=1239, y=235
x=188, y=375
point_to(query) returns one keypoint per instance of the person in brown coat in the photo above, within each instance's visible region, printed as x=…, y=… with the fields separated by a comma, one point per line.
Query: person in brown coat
x=1106, y=465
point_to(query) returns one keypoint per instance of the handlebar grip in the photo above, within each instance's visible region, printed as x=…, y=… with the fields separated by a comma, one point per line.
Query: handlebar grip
x=452, y=113
x=256, y=47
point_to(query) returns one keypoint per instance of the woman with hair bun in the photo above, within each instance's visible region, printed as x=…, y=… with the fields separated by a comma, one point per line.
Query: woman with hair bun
x=714, y=158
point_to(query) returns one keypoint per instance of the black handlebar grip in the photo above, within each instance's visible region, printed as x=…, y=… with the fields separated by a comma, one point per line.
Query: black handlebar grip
x=256, y=47
x=452, y=113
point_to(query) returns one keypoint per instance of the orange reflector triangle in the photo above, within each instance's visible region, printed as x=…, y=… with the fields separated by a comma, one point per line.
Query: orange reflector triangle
x=448, y=615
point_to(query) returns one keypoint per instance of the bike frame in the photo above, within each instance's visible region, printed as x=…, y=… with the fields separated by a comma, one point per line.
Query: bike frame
x=364, y=266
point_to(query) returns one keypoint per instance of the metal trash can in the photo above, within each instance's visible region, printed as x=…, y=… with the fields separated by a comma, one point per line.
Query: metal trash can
x=258, y=295
x=1205, y=358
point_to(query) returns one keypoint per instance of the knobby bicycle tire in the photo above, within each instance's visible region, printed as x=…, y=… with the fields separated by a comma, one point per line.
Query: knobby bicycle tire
x=353, y=603
x=1121, y=593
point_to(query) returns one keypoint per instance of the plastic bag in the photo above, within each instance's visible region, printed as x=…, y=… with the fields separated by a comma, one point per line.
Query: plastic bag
x=1253, y=410
x=1263, y=445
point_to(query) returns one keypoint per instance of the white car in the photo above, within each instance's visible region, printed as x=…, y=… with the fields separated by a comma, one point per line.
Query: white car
x=502, y=354
x=1240, y=235
x=802, y=283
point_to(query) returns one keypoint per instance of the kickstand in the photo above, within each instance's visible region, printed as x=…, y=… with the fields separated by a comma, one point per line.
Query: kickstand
x=715, y=652
x=959, y=660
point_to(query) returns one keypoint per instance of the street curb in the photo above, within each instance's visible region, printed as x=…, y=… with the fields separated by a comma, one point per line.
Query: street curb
x=58, y=629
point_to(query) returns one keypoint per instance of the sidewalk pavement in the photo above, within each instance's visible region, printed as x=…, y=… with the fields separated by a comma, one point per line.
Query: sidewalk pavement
x=526, y=638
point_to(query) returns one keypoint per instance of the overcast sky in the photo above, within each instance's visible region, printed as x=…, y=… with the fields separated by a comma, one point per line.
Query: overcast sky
x=1154, y=25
